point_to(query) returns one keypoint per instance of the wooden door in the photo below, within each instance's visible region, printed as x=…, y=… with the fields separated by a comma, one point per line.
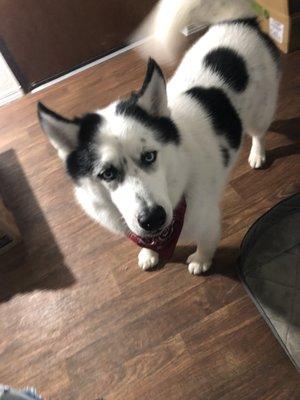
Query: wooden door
x=43, y=39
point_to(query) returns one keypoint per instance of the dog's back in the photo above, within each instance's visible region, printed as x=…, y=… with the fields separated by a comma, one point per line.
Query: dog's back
x=238, y=58
x=233, y=70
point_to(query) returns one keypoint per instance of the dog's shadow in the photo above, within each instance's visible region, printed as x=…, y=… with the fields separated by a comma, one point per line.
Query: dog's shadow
x=291, y=129
x=38, y=262
x=224, y=262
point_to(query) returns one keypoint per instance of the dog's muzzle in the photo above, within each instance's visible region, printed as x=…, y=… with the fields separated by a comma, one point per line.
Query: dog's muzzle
x=164, y=243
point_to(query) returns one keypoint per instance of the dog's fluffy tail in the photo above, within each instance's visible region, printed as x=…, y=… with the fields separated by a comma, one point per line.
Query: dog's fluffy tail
x=170, y=17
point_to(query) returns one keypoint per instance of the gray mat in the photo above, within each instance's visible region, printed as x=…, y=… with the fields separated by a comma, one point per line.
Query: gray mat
x=269, y=266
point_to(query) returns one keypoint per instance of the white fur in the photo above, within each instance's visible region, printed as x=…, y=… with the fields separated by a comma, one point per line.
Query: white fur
x=195, y=167
x=147, y=259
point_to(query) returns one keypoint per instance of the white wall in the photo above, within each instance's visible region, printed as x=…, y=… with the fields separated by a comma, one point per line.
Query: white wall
x=9, y=87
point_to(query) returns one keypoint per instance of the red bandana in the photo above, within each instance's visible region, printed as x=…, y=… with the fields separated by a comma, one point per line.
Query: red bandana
x=165, y=243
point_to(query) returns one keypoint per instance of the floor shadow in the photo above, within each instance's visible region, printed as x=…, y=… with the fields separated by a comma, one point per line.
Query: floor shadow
x=38, y=262
x=224, y=262
x=291, y=129
x=281, y=152
x=287, y=127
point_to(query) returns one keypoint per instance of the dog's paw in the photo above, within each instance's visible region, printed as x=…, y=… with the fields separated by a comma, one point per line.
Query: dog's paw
x=196, y=265
x=256, y=160
x=147, y=259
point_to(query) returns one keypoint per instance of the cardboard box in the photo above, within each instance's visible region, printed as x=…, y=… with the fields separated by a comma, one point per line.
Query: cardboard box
x=284, y=29
x=287, y=7
x=9, y=233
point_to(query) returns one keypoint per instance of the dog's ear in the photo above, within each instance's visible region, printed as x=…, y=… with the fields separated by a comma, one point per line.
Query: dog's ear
x=153, y=95
x=62, y=132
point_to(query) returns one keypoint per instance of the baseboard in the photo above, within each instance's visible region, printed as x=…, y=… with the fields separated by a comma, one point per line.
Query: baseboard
x=8, y=97
x=92, y=64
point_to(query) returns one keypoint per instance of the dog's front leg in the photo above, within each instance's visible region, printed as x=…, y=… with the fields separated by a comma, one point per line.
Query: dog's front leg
x=147, y=259
x=207, y=238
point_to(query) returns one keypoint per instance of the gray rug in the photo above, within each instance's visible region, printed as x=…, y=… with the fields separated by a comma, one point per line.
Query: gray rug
x=269, y=266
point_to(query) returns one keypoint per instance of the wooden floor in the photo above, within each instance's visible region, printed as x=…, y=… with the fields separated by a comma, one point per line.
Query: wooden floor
x=79, y=320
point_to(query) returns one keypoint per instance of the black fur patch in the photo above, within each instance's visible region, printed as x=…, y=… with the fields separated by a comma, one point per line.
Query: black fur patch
x=253, y=24
x=82, y=160
x=224, y=117
x=230, y=66
x=89, y=125
x=80, y=163
x=163, y=128
x=225, y=155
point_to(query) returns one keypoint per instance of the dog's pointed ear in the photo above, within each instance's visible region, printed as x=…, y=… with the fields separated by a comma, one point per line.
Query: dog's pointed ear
x=62, y=132
x=153, y=95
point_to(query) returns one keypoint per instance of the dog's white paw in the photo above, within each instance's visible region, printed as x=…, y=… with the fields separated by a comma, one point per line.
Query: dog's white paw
x=196, y=265
x=256, y=160
x=147, y=259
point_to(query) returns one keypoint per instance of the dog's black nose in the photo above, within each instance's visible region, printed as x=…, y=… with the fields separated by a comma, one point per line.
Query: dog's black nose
x=152, y=219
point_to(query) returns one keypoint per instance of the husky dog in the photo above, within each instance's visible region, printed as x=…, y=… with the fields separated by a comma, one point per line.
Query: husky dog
x=133, y=161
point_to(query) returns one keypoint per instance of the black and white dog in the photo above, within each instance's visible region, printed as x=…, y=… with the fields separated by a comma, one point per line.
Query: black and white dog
x=134, y=161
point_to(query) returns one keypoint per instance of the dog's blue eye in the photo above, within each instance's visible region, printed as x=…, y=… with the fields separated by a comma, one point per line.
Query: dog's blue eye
x=149, y=157
x=109, y=174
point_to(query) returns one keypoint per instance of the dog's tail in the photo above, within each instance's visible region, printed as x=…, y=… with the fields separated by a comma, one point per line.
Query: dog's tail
x=170, y=17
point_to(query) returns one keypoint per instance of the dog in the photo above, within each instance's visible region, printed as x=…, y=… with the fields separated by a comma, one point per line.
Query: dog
x=136, y=160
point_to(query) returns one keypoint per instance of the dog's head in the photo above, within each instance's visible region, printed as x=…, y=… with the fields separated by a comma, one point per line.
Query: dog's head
x=124, y=155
